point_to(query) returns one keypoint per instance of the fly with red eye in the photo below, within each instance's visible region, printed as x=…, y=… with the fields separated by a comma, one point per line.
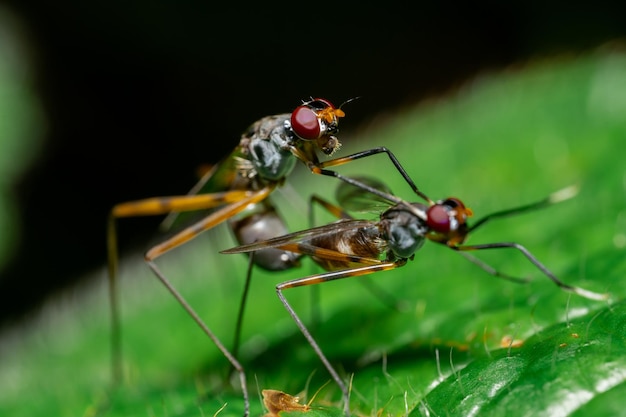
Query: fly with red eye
x=236, y=191
x=351, y=247
x=318, y=120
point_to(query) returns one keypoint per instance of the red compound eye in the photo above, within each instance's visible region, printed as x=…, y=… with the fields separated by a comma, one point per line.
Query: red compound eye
x=305, y=123
x=438, y=218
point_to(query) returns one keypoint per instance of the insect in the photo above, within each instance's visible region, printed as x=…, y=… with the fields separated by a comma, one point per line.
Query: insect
x=236, y=190
x=351, y=247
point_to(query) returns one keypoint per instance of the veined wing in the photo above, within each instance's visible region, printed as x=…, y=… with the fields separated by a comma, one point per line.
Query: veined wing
x=352, y=198
x=301, y=236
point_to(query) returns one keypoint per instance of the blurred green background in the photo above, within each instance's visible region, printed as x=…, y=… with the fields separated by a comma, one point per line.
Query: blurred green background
x=101, y=103
x=135, y=96
x=517, y=136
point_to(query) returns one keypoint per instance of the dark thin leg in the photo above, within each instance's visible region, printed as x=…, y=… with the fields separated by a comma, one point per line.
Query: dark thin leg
x=381, y=294
x=236, y=201
x=576, y=290
x=318, y=279
x=333, y=373
x=374, y=151
x=116, y=337
x=491, y=270
x=558, y=196
x=242, y=305
x=389, y=197
x=207, y=331
x=333, y=209
x=317, y=168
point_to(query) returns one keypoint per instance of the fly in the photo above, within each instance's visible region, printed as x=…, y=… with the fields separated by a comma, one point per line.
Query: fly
x=237, y=190
x=351, y=247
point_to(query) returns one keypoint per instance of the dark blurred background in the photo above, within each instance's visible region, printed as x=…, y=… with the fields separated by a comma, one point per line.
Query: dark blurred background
x=139, y=94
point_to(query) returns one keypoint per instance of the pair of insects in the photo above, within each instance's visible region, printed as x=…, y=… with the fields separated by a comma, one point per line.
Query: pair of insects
x=236, y=191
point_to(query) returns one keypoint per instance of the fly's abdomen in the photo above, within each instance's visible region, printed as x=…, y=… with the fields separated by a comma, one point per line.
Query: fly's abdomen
x=260, y=222
x=350, y=247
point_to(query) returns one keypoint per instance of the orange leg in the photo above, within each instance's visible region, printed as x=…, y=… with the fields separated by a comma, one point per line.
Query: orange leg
x=233, y=202
x=164, y=205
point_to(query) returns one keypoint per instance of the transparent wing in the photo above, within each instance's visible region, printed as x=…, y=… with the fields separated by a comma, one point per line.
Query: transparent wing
x=217, y=178
x=302, y=236
x=355, y=199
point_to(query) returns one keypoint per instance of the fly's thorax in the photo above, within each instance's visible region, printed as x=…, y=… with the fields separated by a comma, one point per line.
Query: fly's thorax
x=403, y=230
x=259, y=222
x=268, y=144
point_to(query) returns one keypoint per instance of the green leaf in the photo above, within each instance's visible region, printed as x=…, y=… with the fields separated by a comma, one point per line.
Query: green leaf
x=558, y=371
x=462, y=343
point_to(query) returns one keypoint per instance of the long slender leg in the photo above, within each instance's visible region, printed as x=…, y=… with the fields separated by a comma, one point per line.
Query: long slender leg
x=556, y=197
x=242, y=305
x=149, y=207
x=209, y=222
x=491, y=270
x=116, y=336
x=374, y=151
x=234, y=362
x=318, y=279
x=576, y=290
x=317, y=168
x=333, y=209
x=163, y=205
x=236, y=202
